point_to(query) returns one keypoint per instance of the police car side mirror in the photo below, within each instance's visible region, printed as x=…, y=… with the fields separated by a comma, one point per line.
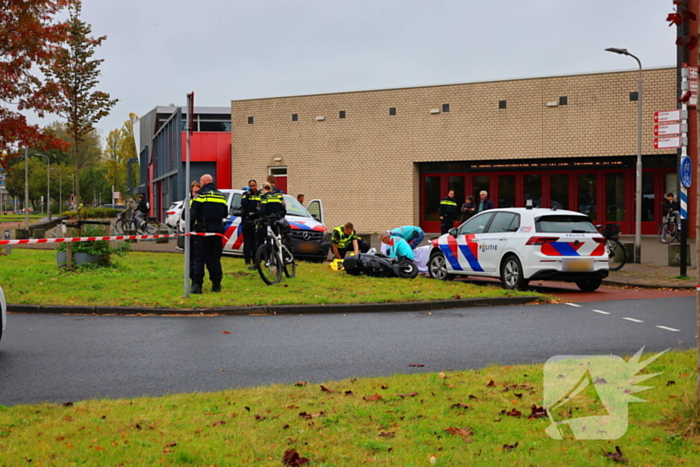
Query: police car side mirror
x=315, y=217
x=453, y=232
x=238, y=212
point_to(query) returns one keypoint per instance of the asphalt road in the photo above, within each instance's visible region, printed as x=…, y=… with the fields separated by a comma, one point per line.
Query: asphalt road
x=68, y=358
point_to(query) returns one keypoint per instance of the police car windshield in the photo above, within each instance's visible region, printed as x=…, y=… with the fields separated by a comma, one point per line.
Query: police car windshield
x=294, y=207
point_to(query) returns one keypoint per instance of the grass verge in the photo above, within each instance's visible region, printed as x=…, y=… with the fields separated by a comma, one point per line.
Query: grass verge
x=476, y=418
x=156, y=280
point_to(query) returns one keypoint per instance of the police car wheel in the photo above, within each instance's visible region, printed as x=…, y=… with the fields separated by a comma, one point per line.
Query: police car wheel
x=512, y=274
x=437, y=268
x=589, y=285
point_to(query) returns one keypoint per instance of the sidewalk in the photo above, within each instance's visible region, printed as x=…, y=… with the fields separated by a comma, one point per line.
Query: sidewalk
x=652, y=272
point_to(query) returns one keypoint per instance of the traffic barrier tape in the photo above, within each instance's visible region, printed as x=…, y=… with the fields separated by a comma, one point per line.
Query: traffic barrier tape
x=114, y=237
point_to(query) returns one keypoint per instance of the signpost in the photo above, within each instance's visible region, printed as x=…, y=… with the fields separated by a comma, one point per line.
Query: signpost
x=667, y=116
x=667, y=129
x=667, y=143
x=693, y=85
x=686, y=171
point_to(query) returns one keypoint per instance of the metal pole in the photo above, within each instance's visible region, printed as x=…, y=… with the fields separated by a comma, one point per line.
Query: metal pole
x=26, y=188
x=48, y=183
x=638, y=179
x=638, y=187
x=186, y=207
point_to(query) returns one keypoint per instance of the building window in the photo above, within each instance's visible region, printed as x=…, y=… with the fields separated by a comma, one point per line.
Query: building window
x=295, y=117
x=634, y=96
x=445, y=107
x=392, y=110
x=250, y=120
x=501, y=104
x=341, y=114
x=563, y=100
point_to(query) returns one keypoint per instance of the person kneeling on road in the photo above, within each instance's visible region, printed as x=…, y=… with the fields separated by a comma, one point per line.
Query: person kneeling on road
x=412, y=234
x=344, y=239
x=398, y=247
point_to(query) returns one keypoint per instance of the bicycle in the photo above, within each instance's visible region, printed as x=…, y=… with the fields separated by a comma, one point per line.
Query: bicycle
x=668, y=231
x=275, y=254
x=617, y=256
x=123, y=225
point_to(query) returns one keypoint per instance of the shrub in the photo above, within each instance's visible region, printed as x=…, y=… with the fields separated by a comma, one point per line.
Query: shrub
x=98, y=248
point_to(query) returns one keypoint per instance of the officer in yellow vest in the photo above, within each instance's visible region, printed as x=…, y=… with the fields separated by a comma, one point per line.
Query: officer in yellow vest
x=448, y=212
x=207, y=212
x=250, y=206
x=344, y=239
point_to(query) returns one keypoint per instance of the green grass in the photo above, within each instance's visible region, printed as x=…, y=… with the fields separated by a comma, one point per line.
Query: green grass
x=156, y=279
x=684, y=278
x=389, y=421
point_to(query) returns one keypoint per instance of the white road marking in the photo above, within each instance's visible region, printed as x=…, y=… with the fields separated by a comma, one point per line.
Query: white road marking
x=668, y=329
x=574, y=305
x=601, y=312
x=634, y=320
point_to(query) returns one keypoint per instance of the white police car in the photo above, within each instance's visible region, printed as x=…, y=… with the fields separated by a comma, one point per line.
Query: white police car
x=3, y=313
x=519, y=245
x=310, y=239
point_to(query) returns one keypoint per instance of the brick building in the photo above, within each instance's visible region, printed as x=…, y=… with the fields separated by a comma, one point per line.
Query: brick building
x=385, y=158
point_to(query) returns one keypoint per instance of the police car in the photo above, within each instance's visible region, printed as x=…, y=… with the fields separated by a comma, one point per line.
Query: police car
x=518, y=245
x=309, y=236
x=3, y=313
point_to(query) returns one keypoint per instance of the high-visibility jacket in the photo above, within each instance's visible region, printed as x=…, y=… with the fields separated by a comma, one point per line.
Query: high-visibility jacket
x=208, y=210
x=272, y=203
x=250, y=205
x=339, y=238
x=448, y=207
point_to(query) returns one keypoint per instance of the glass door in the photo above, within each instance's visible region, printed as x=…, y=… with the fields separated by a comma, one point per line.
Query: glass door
x=432, y=193
x=587, y=195
x=559, y=191
x=532, y=189
x=505, y=196
x=614, y=199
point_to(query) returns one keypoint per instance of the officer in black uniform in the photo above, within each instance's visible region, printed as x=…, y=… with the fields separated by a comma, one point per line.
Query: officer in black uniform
x=207, y=213
x=250, y=205
x=448, y=212
x=272, y=207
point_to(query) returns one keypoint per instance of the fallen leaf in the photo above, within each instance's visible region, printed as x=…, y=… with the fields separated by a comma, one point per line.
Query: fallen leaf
x=220, y=422
x=600, y=381
x=348, y=393
x=473, y=397
x=225, y=332
x=510, y=447
x=491, y=384
x=465, y=433
x=301, y=383
x=670, y=383
x=171, y=444
x=442, y=375
x=459, y=406
x=410, y=394
x=538, y=412
x=519, y=396
x=389, y=434
x=67, y=404
x=514, y=413
x=292, y=458
x=259, y=418
x=616, y=456
x=375, y=397
x=416, y=364
x=325, y=389
x=309, y=416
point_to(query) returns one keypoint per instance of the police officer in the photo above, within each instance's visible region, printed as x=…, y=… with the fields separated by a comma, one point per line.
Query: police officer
x=344, y=239
x=448, y=212
x=250, y=205
x=207, y=213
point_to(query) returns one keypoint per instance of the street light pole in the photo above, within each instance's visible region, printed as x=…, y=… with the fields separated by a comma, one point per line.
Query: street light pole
x=60, y=189
x=48, y=183
x=72, y=177
x=638, y=184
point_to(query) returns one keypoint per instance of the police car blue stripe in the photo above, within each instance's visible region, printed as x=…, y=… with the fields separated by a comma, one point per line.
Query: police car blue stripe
x=565, y=249
x=473, y=262
x=454, y=262
x=300, y=226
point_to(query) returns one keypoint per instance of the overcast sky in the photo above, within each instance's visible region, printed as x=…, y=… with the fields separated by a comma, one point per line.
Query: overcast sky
x=159, y=50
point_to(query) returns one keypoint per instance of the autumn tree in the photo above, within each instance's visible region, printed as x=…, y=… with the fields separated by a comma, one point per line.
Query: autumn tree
x=31, y=39
x=76, y=75
x=119, y=148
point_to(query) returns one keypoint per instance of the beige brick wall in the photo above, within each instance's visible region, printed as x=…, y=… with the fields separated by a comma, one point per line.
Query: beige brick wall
x=364, y=167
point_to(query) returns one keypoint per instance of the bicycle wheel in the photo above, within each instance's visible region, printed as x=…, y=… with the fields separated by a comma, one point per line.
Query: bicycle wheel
x=290, y=266
x=267, y=261
x=667, y=233
x=151, y=227
x=617, y=255
x=121, y=226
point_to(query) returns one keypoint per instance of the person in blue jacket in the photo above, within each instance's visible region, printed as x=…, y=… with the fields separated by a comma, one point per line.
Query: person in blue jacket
x=398, y=247
x=412, y=234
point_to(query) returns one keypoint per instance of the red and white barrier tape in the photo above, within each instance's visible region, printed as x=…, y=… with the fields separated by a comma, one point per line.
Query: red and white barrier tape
x=96, y=239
